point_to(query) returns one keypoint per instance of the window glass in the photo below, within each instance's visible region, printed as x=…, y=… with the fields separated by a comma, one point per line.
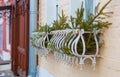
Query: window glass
x=51, y=11
x=88, y=7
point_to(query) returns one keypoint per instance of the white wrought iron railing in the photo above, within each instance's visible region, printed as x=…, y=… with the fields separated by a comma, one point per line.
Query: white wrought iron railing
x=64, y=44
x=40, y=42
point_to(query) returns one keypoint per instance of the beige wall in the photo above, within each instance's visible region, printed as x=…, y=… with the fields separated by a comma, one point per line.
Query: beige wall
x=108, y=65
x=110, y=52
x=42, y=11
x=65, y=6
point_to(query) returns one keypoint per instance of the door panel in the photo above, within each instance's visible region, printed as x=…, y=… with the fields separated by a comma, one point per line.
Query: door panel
x=20, y=37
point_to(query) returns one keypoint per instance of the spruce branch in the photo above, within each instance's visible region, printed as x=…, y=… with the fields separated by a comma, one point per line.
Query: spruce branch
x=100, y=12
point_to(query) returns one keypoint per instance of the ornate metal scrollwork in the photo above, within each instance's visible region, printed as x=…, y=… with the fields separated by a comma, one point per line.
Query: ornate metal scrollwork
x=66, y=45
x=69, y=38
x=40, y=42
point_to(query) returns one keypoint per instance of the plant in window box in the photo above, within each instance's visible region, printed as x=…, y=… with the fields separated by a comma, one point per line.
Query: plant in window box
x=93, y=24
x=81, y=38
x=40, y=40
x=60, y=31
x=91, y=32
x=58, y=25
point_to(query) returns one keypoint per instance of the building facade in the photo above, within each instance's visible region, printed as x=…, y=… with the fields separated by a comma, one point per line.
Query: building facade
x=109, y=60
x=5, y=48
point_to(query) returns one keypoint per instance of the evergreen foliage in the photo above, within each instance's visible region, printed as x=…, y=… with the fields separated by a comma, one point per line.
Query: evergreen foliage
x=94, y=21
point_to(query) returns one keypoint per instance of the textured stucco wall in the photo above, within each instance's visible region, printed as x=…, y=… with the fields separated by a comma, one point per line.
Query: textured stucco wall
x=65, y=6
x=110, y=58
x=108, y=65
x=42, y=11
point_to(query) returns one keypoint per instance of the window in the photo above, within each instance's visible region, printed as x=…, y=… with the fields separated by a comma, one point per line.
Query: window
x=74, y=6
x=88, y=8
x=51, y=11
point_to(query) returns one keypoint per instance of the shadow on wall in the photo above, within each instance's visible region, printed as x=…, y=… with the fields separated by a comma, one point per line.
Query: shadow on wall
x=43, y=73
